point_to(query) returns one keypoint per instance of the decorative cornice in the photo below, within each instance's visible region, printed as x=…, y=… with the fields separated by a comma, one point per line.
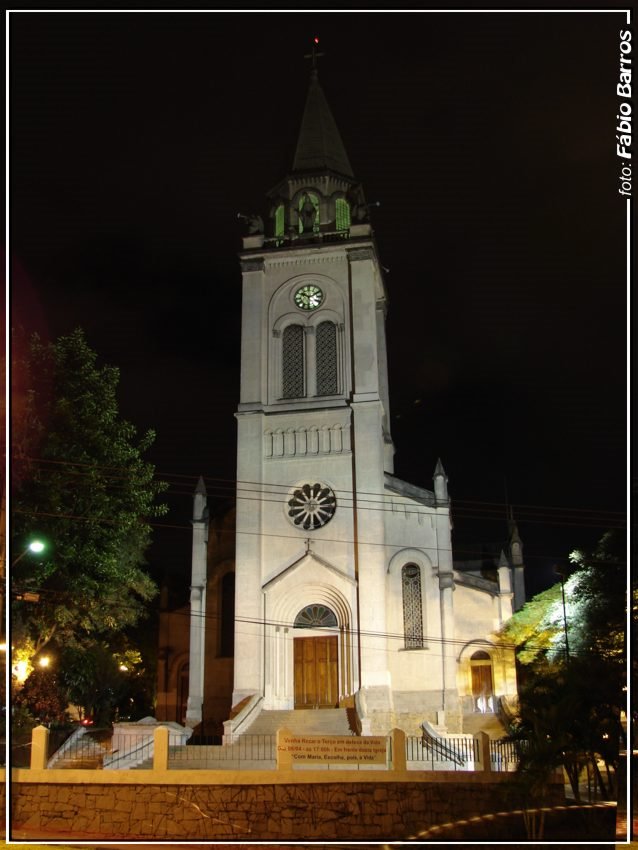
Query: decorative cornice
x=256, y=265
x=355, y=254
x=304, y=261
x=306, y=441
x=409, y=491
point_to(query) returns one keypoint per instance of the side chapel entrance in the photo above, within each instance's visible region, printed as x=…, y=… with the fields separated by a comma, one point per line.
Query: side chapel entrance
x=482, y=684
x=316, y=660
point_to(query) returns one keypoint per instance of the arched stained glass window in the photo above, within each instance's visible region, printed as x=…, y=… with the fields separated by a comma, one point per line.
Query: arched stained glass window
x=342, y=210
x=327, y=359
x=292, y=359
x=279, y=220
x=315, y=617
x=412, y=606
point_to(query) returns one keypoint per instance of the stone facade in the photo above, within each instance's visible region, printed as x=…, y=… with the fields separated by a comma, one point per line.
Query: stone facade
x=353, y=811
x=345, y=590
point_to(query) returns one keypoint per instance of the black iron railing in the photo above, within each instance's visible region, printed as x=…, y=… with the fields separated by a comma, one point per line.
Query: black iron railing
x=460, y=752
x=248, y=748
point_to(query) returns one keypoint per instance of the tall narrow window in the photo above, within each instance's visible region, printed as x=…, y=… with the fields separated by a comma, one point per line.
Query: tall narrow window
x=279, y=220
x=292, y=378
x=342, y=209
x=327, y=359
x=412, y=607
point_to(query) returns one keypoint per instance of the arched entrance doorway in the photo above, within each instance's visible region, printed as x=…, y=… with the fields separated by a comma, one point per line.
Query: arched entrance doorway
x=316, y=658
x=482, y=682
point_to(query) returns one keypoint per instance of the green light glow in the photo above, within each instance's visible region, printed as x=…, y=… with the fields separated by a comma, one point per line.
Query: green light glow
x=342, y=210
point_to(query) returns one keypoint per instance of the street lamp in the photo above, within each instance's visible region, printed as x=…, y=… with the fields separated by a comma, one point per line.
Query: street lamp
x=562, y=590
x=35, y=547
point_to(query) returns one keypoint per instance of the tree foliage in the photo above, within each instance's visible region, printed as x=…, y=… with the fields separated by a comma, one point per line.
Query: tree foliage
x=570, y=717
x=594, y=617
x=535, y=627
x=80, y=481
x=599, y=598
x=573, y=692
x=44, y=697
x=93, y=680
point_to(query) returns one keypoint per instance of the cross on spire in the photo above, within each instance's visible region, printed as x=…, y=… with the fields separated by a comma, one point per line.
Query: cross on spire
x=314, y=56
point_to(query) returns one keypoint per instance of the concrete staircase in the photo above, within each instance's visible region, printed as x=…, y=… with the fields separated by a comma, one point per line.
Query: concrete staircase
x=325, y=721
x=255, y=748
x=490, y=723
x=89, y=757
x=82, y=750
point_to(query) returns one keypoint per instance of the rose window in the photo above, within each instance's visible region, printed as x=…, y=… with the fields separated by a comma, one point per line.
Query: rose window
x=312, y=506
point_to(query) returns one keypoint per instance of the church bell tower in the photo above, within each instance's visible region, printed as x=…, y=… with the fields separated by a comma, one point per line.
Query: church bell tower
x=313, y=436
x=345, y=589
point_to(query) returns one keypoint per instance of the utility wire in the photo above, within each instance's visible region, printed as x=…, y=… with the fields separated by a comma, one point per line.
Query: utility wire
x=283, y=489
x=184, y=611
x=298, y=539
x=461, y=509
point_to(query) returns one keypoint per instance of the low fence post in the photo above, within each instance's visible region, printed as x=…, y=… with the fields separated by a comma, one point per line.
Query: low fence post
x=160, y=748
x=398, y=750
x=39, y=748
x=484, y=750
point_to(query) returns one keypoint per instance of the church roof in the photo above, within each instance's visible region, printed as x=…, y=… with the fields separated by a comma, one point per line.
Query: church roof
x=319, y=146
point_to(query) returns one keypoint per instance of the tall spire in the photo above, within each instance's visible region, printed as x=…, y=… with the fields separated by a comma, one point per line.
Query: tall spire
x=319, y=146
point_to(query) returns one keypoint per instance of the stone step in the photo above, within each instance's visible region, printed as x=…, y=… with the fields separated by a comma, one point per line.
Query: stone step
x=490, y=723
x=329, y=721
x=259, y=739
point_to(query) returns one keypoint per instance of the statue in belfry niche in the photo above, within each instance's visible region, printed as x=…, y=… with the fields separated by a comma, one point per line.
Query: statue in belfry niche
x=254, y=223
x=358, y=208
x=308, y=213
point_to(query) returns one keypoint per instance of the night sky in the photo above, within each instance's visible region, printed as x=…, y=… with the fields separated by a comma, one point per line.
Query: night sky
x=489, y=141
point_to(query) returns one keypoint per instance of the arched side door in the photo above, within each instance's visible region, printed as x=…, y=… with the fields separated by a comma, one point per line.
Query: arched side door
x=482, y=682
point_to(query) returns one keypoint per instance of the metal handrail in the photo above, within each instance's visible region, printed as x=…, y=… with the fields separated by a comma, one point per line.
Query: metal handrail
x=440, y=748
x=141, y=751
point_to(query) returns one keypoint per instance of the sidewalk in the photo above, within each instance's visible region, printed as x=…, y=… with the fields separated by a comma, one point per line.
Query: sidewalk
x=88, y=840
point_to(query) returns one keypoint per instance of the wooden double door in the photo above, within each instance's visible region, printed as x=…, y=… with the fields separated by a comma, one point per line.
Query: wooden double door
x=482, y=687
x=316, y=672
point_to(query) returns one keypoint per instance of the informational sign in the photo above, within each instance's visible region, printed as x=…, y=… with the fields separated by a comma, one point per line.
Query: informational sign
x=333, y=749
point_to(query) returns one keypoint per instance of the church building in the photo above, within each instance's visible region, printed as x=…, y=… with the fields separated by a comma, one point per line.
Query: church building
x=342, y=590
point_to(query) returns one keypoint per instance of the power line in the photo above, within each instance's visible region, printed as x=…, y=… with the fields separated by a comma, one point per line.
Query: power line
x=564, y=517
x=428, y=640
x=298, y=539
x=284, y=489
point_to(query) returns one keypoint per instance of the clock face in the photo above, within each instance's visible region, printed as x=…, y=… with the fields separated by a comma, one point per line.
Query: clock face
x=308, y=297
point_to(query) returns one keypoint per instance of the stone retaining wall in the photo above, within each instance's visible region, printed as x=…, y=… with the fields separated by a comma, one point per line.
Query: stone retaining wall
x=327, y=810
